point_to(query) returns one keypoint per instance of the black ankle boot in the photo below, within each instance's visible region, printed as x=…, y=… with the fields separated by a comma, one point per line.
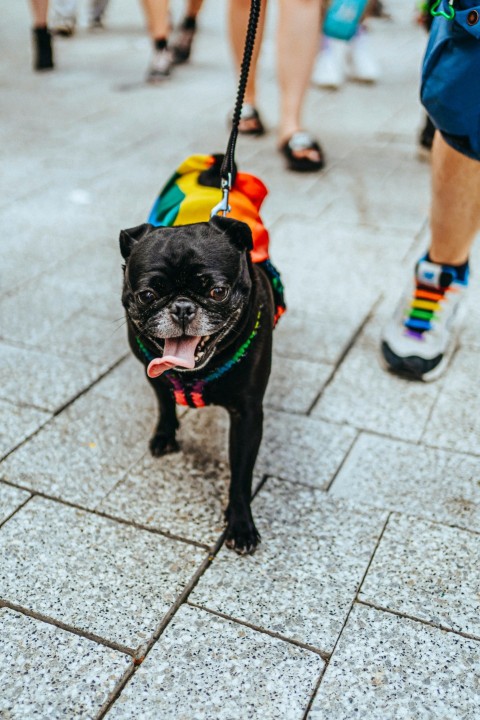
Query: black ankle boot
x=42, y=46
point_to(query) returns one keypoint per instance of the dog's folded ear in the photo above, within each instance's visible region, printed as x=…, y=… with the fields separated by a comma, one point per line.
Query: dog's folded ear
x=238, y=232
x=129, y=237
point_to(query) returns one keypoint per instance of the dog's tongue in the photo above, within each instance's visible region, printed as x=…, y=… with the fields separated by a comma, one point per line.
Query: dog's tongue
x=178, y=352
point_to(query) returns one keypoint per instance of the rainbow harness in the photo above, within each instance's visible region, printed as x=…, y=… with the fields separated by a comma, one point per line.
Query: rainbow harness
x=187, y=198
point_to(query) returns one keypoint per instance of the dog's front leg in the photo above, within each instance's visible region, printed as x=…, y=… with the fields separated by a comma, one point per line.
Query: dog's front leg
x=163, y=440
x=245, y=436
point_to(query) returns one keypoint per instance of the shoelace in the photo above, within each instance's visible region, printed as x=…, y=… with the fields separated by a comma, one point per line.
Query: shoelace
x=424, y=308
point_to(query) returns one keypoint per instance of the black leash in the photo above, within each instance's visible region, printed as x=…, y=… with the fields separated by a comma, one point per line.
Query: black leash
x=226, y=171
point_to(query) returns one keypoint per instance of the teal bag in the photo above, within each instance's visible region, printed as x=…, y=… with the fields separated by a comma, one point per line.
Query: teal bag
x=450, y=87
x=343, y=17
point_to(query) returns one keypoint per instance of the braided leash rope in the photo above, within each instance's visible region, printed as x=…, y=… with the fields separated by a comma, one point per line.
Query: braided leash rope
x=228, y=164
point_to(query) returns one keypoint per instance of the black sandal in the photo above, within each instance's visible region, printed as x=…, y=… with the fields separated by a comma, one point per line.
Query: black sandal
x=250, y=121
x=300, y=142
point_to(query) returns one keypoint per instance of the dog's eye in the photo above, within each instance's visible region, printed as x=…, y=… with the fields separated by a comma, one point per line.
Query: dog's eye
x=219, y=293
x=146, y=297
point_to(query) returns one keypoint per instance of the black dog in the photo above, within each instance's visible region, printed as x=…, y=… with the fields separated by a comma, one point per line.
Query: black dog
x=200, y=317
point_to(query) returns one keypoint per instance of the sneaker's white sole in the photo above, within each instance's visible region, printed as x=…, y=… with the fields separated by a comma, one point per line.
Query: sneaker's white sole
x=444, y=362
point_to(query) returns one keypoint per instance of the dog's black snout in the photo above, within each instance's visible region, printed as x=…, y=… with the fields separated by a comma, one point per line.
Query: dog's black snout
x=183, y=311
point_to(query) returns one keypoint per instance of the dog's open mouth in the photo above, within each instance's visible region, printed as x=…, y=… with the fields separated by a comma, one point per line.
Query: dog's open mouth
x=181, y=352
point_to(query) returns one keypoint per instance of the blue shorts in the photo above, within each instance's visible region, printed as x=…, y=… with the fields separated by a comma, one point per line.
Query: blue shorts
x=450, y=89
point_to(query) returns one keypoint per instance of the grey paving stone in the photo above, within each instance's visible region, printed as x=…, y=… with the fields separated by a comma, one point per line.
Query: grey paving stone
x=415, y=479
x=77, y=310
x=300, y=449
x=28, y=377
x=91, y=573
x=17, y=424
x=294, y=384
x=207, y=667
x=303, y=577
x=460, y=406
x=390, y=667
x=10, y=499
x=364, y=395
x=320, y=337
x=83, y=452
x=428, y=571
x=174, y=495
x=320, y=290
x=48, y=672
x=185, y=493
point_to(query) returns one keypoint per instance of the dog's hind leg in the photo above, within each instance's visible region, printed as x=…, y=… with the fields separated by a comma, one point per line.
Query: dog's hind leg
x=245, y=437
x=163, y=440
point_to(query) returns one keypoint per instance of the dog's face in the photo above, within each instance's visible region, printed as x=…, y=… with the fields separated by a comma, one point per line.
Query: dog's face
x=185, y=288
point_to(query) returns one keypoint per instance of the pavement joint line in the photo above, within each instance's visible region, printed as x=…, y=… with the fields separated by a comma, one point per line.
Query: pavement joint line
x=433, y=521
x=278, y=636
x=351, y=608
x=315, y=691
x=345, y=352
x=343, y=461
x=69, y=628
x=369, y=431
x=147, y=647
x=84, y=390
x=422, y=621
x=441, y=387
x=5, y=520
x=260, y=485
x=363, y=504
x=98, y=513
x=22, y=442
x=58, y=411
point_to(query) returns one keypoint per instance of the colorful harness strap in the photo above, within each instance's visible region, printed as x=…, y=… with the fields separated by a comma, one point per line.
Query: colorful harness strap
x=190, y=392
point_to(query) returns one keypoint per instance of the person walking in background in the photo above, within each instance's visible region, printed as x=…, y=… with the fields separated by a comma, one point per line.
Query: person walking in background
x=343, y=56
x=65, y=16
x=165, y=56
x=297, y=35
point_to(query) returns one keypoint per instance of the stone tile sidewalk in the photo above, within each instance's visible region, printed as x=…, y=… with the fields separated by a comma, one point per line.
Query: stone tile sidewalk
x=117, y=598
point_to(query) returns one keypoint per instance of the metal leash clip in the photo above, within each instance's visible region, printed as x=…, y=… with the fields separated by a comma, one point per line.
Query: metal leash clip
x=223, y=205
x=449, y=15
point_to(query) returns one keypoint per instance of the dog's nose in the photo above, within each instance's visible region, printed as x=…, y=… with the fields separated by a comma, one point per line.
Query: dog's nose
x=182, y=311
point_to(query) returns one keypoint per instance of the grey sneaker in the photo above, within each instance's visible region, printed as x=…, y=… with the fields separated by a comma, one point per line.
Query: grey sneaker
x=160, y=66
x=63, y=25
x=420, y=338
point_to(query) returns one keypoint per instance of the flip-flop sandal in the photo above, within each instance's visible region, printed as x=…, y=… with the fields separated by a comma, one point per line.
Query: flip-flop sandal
x=300, y=142
x=250, y=121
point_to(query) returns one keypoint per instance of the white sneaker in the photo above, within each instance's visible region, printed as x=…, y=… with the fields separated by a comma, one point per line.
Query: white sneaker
x=330, y=68
x=362, y=65
x=160, y=66
x=420, y=338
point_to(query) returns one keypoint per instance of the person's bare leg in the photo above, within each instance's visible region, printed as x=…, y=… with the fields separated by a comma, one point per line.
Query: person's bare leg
x=193, y=8
x=420, y=337
x=39, y=12
x=158, y=21
x=42, y=41
x=297, y=44
x=455, y=211
x=238, y=13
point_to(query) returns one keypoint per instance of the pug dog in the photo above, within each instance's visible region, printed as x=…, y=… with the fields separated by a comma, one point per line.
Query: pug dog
x=200, y=316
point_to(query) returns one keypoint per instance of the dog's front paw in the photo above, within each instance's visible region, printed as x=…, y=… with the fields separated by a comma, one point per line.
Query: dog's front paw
x=242, y=536
x=162, y=444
